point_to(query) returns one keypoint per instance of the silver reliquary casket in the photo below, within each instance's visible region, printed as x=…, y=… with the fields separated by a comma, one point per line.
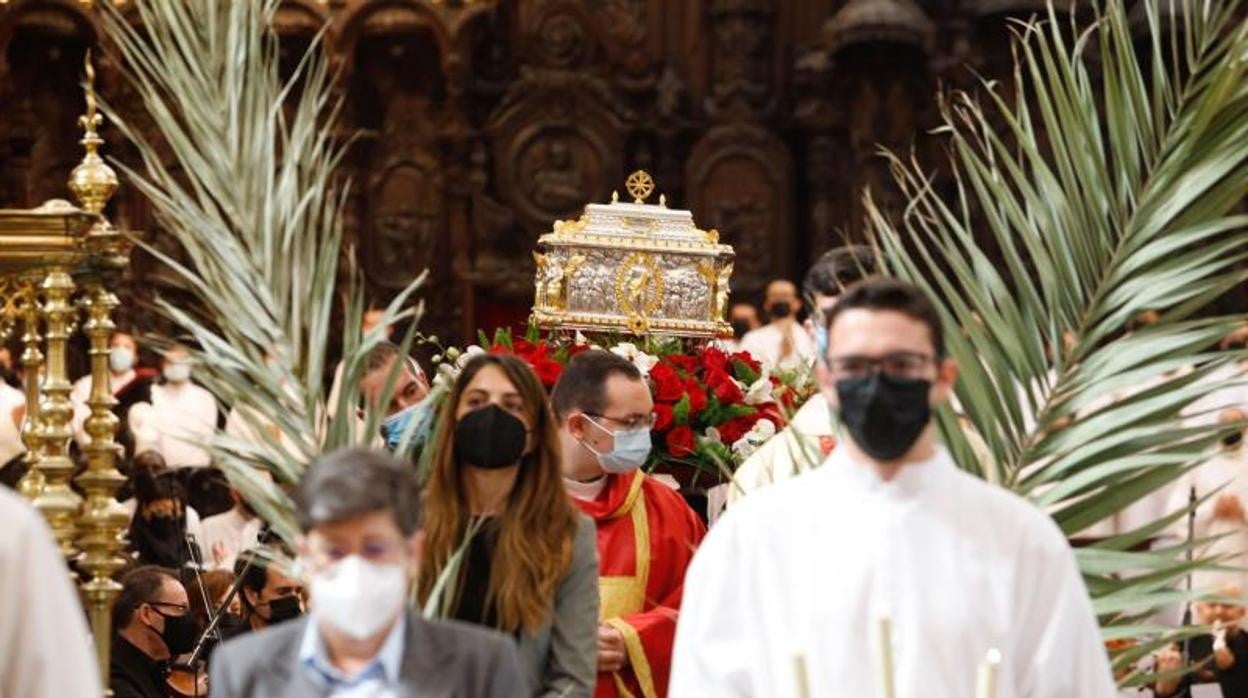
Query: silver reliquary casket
x=633, y=268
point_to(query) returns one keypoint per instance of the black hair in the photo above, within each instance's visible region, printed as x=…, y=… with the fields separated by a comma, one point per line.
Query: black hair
x=882, y=293
x=837, y=268
x=253, y=576
x=583, y=383
x=138, y=586
x=354, y=481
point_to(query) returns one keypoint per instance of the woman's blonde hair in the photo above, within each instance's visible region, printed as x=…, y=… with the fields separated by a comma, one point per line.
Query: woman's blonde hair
x=537, y=525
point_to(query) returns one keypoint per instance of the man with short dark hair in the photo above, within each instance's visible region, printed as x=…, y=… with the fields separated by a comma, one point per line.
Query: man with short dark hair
x=268, y=595
x=154, y=624
x=646, y=531
x=792, y=587
x=360, y=514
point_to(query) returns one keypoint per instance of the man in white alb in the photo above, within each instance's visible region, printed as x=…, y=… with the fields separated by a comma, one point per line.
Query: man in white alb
x=782, y=343
x=789, y=587
x=180, y=417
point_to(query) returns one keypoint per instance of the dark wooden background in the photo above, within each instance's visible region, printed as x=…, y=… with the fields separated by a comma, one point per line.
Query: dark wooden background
x=483, y=122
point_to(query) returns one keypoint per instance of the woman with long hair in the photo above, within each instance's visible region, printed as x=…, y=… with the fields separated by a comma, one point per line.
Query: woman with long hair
x=530, y=567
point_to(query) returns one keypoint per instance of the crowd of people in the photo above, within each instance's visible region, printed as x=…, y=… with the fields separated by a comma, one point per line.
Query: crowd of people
x=536, y=558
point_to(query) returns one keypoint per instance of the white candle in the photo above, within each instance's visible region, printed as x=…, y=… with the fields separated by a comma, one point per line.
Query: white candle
x=884, y=656
x=986, y=686
x=803, y=680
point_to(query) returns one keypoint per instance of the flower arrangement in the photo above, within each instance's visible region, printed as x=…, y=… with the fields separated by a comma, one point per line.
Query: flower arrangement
x=712, y=408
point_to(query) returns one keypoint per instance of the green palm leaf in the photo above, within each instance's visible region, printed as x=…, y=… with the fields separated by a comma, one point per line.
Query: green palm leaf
x=244, y=175
x=1106, y=183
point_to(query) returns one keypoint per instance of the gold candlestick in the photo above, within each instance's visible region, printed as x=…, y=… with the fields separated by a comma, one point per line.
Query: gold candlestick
x=31, y=483
x=58, y=503
x=103, y=518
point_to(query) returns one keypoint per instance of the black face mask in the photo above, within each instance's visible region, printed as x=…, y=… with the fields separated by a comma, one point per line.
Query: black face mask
x=740, y=327
x=489, y=438
x=1233, y=440
x=779, y=310
x=180, y=633
x=884, y=414
x=284, y=608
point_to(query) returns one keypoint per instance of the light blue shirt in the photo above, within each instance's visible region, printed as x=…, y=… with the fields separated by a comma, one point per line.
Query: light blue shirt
x=380, y=679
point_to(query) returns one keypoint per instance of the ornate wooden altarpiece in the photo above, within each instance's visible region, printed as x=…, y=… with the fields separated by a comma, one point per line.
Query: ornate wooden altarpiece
x=484, y=121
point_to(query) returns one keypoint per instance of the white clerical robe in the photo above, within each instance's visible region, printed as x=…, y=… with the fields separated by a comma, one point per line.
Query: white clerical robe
x=766, y=343
x=45, y=646
x=806, y=567
x=179, y=419
x=226, y=535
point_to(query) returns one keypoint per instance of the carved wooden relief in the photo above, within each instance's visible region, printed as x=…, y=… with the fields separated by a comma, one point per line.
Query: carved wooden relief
x=480, y=122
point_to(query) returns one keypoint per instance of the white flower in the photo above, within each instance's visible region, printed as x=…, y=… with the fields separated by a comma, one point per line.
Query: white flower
x=763, y=429
x=759, y=391
x=643, y=361
x=464, y=358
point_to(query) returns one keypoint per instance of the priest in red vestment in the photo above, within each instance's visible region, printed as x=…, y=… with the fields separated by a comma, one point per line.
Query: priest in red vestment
x=647, y=534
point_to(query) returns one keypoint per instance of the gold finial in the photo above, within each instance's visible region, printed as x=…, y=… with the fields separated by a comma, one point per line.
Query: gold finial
x=640, y=185
x=92, y=181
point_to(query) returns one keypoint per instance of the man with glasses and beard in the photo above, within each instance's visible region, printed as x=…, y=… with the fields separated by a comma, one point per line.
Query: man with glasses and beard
x=792, y=590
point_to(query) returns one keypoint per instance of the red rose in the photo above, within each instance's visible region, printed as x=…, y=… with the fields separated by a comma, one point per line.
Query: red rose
x=725, y=389
x=732, y=430
x=688, y=364
x=577, y=349
x=662, y=416
x=714, y=360
x=499, y=349
x=548, y=371
x=680, y=442
x=667, y=385
x=697, y=396
x=748, y=359
x=772, y=412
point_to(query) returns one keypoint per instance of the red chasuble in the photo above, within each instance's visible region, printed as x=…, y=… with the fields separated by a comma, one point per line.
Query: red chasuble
x=646, y=537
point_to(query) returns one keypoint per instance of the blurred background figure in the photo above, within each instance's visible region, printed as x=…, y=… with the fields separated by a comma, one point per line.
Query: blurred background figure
x=783, y=342
x=129, y=382
x=180, y=416
x=230, y=532
x=744, y=318
x=161, y=520
x=45, y=647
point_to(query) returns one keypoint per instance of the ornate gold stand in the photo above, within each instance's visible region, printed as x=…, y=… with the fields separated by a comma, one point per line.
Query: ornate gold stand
x=42, y=251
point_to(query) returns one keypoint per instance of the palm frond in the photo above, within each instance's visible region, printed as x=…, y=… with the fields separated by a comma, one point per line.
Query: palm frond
x=1107, y=183
x=245, y=178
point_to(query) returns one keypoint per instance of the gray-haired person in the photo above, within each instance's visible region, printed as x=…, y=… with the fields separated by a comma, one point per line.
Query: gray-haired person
x=360, y=513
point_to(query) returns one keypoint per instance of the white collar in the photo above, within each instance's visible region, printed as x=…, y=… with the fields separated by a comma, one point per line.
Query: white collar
x=911, y=480
x=585, y=491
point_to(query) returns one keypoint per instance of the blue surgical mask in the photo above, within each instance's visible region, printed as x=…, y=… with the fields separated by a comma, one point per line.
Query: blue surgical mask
x=821, y=340
x=394, y=425
x=630, y=451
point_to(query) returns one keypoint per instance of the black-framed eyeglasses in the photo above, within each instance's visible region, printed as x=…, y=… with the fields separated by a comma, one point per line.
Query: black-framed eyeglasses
x=630, y=423
x=182, y=609
x=901, y=364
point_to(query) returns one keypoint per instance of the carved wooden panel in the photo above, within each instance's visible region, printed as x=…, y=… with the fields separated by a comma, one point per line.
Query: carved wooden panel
x=480, y=122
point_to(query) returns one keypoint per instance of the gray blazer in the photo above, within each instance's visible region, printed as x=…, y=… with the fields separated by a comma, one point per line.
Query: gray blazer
x=561, y=659
x=442, y=659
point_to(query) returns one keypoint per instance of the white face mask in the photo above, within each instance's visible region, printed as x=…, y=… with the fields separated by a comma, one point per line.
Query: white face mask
x=177, y=372
x=357, y=597
x=120, y=359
